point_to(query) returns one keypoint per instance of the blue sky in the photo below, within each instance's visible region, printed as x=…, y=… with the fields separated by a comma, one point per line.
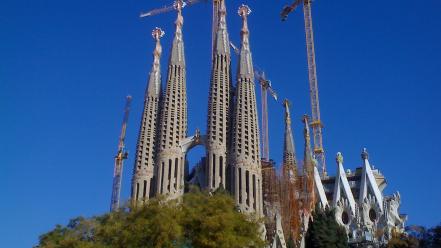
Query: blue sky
x=66, y=67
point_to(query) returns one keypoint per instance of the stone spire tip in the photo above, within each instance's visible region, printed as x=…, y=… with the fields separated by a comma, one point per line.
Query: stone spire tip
x=286, y=105
x=339, y=158
x=305, y=120
x=364, y=154
x=179, y=5
x=244, y=11
x=157, y=33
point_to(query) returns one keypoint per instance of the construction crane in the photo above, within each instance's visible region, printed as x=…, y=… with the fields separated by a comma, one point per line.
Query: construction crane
x=316, y=122
x=121, y=155
x=169, y=8
x=215, y=15
x=265, y=86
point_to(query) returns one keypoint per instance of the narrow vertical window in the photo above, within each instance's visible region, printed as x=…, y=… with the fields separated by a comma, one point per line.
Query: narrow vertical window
x=221, y=169
x=144, y=192
x=214, y=171
x=229, y=177
x=137, y=191
x=240, y=185
x=247, y=186
x=254, y=192
x=162, y=178
x=169, y=174
x=176, y=173
x=151, y=189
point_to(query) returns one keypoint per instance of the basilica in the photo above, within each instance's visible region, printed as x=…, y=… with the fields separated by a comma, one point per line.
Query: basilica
x=233, y=151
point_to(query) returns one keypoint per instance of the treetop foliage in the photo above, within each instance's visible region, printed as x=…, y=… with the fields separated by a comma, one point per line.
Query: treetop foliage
x=325, y=232
x=198, y=220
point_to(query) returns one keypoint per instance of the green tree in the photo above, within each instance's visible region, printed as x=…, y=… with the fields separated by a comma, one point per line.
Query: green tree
x=290, y=243
x=215, y=222
x=402, y=240
x=435, y=236
x=325, y=232
x=197, y=220
x=427, y=238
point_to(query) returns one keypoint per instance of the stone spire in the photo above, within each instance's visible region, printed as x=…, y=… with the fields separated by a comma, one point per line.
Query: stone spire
x=368, y=185
x=143, y=173
x=289, y=184
x=308, y=169
x=342, y=185
x=219, y=99
x=245, y=152
x=289, y=152
x=170, y=159
x=177, y=53
x=245, y=60
x=307, y=156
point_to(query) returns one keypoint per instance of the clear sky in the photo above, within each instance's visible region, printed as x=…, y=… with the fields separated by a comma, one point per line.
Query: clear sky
x=66, y=67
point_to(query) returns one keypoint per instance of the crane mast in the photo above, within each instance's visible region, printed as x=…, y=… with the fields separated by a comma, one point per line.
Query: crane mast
x=265, y=86
x=316, y=122
x=265, y=138
x=119, y=159
x=215, y=15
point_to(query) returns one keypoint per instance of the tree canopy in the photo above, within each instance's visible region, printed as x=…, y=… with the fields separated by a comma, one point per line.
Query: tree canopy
x=325, y=232
x=197, y=220
x=426, y=238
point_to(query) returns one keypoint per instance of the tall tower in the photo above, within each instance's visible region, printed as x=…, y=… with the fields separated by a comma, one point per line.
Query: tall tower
x=170, y=159
x=219, y=106
x=289, y=193
x=308, y=170
x=245, y=152
x=143, y=173
x=289, y=151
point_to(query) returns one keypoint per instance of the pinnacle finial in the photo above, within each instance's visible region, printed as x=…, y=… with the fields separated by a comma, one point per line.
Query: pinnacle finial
x=157, y=33
x=286, y=105
x=244, y=11
x=179, y=5
x=364, y=154
x=306, y=136
x=305, y=120
x=314, y=160
x=339, y=158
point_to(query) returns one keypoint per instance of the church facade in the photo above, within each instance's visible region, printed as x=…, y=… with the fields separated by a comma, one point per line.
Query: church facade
x=233, y=157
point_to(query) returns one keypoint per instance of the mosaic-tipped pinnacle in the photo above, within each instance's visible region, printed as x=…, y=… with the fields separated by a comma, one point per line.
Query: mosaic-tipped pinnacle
x=244, y=10
x=157, y=33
